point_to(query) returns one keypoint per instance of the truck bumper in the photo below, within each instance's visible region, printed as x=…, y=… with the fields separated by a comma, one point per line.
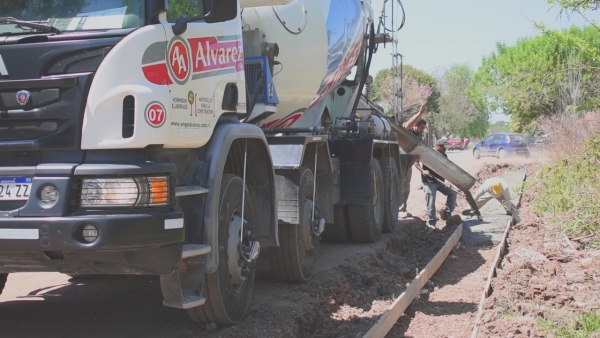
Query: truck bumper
x=126, y=244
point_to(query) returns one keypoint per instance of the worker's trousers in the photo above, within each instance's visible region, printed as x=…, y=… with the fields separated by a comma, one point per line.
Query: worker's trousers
x=430, y=190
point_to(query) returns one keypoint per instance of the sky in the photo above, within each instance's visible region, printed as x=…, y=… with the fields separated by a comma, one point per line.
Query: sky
x=440, y=33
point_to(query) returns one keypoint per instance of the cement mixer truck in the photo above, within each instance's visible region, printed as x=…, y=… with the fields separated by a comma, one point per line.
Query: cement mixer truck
x=178, y=138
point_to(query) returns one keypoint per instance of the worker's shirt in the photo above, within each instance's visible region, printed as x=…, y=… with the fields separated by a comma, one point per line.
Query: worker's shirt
x=411, y=158
x=486, y=187
x=427, y=179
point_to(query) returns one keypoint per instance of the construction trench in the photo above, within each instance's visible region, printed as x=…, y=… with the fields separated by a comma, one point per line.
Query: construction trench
x=354, y=286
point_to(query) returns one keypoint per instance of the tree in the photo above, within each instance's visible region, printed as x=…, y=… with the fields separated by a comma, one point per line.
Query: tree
x=190, y=8
x=499, y=127
x=540, y=76
x=576, y=5
x=418, y=86
x=40, y=9
x=458, y=115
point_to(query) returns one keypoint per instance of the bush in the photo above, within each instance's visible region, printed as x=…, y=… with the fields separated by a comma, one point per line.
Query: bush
x=568, y=192
x=568, y=134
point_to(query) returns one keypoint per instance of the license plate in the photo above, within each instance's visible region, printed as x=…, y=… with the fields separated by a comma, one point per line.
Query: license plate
x=14, y=188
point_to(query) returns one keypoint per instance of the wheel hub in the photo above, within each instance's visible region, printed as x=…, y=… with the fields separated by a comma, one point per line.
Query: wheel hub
x=311, y=228
x=233, y=251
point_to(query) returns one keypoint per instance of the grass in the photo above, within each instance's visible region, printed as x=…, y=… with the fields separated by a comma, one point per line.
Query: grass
x=508, y=314
x=582, y=326
x=567, y=193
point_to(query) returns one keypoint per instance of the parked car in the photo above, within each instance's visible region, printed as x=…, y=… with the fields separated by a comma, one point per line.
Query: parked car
x=455, y=143
x=501, y=145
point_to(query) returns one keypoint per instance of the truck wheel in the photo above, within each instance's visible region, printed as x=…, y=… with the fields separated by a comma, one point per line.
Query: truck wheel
x=476, y=154
x=3, y=277
x=339, y=231
x=295, y=258
x=228, y=290
x=366, y=221
x=392, y=191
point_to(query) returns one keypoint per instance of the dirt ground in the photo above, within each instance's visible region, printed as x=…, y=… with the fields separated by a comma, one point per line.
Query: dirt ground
x=544, y=283
x=352, y=287
x=449, y=308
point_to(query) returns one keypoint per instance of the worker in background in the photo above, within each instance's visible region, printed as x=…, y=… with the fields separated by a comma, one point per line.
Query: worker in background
x=495, y=188
x=416, y=125
x=432, y=183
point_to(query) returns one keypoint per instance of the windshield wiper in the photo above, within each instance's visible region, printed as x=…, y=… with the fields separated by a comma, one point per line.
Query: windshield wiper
x=30, y=24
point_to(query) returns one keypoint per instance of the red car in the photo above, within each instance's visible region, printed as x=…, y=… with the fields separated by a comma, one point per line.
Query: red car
x=455, y=143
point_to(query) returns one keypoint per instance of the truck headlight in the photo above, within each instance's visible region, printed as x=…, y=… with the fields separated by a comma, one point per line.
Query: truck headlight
x=124, y=192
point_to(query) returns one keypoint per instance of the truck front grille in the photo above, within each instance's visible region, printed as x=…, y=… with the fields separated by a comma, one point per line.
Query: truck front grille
x=24, y=130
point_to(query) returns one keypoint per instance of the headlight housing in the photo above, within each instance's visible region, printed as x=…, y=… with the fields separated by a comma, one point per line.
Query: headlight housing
x=131, y=192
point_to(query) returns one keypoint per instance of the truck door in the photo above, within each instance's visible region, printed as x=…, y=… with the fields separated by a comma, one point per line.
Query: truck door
x=203, y=61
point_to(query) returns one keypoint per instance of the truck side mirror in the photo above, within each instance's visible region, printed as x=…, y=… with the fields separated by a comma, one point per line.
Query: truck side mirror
x=222, y=10
x=218, y=11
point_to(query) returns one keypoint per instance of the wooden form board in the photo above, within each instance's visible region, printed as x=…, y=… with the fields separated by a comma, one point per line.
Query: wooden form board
x=387, y=320
x=488, y=285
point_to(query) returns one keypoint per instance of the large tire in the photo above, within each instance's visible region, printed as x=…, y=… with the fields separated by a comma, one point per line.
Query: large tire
x=366, y=221
x=393, y=192
x=292, y=261
x=476, y=154
x=339, y=231
x=3, y=277
x=227, y=304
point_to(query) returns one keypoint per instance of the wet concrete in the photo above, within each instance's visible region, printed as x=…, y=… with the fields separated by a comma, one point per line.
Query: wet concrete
x=489, y=231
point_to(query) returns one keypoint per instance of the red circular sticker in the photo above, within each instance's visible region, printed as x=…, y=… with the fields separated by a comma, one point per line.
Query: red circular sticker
x=156, y=115
x=179, y=61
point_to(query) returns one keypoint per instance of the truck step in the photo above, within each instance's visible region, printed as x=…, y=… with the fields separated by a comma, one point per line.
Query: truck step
x=189, y=190
x=192, y=250
x=188, y=302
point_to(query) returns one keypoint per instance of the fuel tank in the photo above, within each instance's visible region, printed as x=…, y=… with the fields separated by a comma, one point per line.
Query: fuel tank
x=319, y=43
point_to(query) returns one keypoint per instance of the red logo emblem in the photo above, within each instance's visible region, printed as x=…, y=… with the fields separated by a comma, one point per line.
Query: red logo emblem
x=23, y=97
x=156, y=115
x=178, y=63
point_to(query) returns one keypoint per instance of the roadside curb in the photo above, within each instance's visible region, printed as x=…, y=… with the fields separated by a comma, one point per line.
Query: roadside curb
x=488, y=285
x=500, y=252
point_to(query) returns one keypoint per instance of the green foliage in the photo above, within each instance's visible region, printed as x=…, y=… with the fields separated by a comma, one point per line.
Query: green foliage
x=499, y=127
x=40, y=9
x=569, y=191
x=189, y=8
x=582, y=326
x=458, y=115
x=540, y=76
x=576, y=5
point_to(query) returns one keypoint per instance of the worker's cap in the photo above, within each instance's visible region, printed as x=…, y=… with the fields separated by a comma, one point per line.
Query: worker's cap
x=497, y=187
x=441, y=142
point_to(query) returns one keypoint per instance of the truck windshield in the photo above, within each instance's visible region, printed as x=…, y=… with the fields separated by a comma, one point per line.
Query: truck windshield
x=73, y=15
